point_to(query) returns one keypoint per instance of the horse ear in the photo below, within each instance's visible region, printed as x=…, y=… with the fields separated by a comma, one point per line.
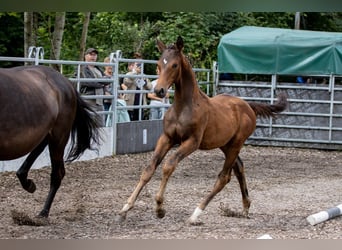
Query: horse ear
x=161, y=46
x=180, y=43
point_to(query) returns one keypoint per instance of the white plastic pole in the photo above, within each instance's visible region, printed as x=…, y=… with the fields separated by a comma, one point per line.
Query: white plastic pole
x=325, y=215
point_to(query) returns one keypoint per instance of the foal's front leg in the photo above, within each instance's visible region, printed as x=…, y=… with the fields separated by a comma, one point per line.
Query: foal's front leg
x=162, y=147
x=185, y=149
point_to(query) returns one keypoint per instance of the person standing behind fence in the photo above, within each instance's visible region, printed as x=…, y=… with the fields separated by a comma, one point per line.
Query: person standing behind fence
x=135, y=84
x=122, y=114
x=108, y=72
x=93, y=88
x=157, y=112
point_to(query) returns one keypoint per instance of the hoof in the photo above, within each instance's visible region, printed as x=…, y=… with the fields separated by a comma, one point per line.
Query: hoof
x=119, y=218
x=245, y=214
x=191, y=222
x=31, y=187
x=43, y=214
x=160, y=213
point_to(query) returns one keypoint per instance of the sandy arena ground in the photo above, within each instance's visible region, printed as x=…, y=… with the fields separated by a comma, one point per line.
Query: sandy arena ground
x=285, y=186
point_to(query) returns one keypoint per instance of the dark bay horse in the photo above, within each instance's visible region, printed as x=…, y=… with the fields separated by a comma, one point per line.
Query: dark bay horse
x=39, y=107
x=195, y=121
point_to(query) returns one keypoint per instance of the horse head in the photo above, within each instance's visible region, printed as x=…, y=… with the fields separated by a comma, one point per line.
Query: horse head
x=169, y=65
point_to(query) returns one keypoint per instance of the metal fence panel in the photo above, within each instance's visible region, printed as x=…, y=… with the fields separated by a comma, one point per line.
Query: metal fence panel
x=313, y=119
x=138, y=136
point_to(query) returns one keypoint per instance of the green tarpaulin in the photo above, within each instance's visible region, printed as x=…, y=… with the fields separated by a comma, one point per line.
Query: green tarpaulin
x=257, y=50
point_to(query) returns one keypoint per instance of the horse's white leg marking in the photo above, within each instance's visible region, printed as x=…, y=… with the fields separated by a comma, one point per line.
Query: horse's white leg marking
x=195, y=214
x=125, y=208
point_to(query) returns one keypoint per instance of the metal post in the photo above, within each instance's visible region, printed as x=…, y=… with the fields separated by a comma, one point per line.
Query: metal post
x=39, y=55
x=297, y=21
x=331, y=90
x=114, y=58
x=215, y=77
x=273, y=88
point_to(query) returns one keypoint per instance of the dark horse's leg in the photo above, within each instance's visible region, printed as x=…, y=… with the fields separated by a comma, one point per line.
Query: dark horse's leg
x=162, y=147
x=22, y=172
x=57, y=173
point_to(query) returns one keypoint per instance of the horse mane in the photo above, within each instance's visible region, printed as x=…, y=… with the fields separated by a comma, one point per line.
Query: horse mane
x=265, y=110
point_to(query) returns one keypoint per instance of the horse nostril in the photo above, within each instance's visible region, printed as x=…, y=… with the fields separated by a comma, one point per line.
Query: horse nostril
x=160, y=92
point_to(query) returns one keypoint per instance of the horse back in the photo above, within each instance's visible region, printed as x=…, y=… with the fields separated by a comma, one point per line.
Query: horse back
x=31, y=89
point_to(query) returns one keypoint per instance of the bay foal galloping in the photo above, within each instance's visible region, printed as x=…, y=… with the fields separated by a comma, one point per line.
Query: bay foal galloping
x=195, y=121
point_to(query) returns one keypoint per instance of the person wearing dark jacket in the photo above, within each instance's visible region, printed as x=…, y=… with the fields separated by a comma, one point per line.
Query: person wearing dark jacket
x=93, y=88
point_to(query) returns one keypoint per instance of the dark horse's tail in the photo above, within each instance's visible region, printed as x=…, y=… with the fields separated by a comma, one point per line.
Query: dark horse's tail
x=85, y=130
x=266, y=110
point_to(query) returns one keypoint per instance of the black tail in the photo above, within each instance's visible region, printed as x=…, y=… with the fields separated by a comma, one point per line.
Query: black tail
x=85, y=130
x=266, y=110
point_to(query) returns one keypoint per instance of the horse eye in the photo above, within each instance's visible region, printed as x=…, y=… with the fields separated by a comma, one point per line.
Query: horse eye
x=174, y=65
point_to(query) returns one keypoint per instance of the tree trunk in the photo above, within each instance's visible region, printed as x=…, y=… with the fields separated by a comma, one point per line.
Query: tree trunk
x=28, y=31
x=84, y=35
x=57, y=38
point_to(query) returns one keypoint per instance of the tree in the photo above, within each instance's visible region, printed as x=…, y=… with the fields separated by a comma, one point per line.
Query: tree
x=57, y=37
x=83, y=41
x=29, y=31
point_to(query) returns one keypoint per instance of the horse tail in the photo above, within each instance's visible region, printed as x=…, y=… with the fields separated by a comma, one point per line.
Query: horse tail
x=85, y=129
x=267, y=110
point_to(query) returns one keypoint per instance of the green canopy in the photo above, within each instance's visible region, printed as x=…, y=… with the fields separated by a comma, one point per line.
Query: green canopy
x=257, y=50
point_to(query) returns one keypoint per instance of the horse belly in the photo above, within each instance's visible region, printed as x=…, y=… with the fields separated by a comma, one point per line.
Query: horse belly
x=215, y=138
x=19, y=145
x=222, y=129
x=23, y=132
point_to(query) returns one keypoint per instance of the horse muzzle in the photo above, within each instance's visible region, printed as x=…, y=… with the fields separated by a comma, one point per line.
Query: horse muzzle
x=160, y=92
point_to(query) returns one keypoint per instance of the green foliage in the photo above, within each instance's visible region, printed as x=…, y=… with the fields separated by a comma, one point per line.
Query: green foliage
x=11, y=37
x=272, y=19
x=72, y=35
x=133, y=32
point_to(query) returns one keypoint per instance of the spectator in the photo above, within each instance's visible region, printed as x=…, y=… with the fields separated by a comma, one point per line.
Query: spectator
x=226, y=76
x=108, y=73
x=122, y=114
x=157, y=112
x=135, y=84
x=93, y=88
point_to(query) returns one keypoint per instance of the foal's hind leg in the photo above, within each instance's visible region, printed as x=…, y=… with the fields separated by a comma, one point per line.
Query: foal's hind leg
x=57, y=174
x=22, y=172
x=231, y=152
x=240, y=175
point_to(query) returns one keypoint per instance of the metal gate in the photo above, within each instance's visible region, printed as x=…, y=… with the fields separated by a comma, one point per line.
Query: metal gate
x=312, y=120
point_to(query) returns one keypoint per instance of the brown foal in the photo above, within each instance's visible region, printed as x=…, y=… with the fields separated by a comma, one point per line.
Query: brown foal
x=195, y=121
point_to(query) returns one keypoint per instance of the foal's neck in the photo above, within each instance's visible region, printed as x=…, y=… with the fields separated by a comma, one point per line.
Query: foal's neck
x=186, y=89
